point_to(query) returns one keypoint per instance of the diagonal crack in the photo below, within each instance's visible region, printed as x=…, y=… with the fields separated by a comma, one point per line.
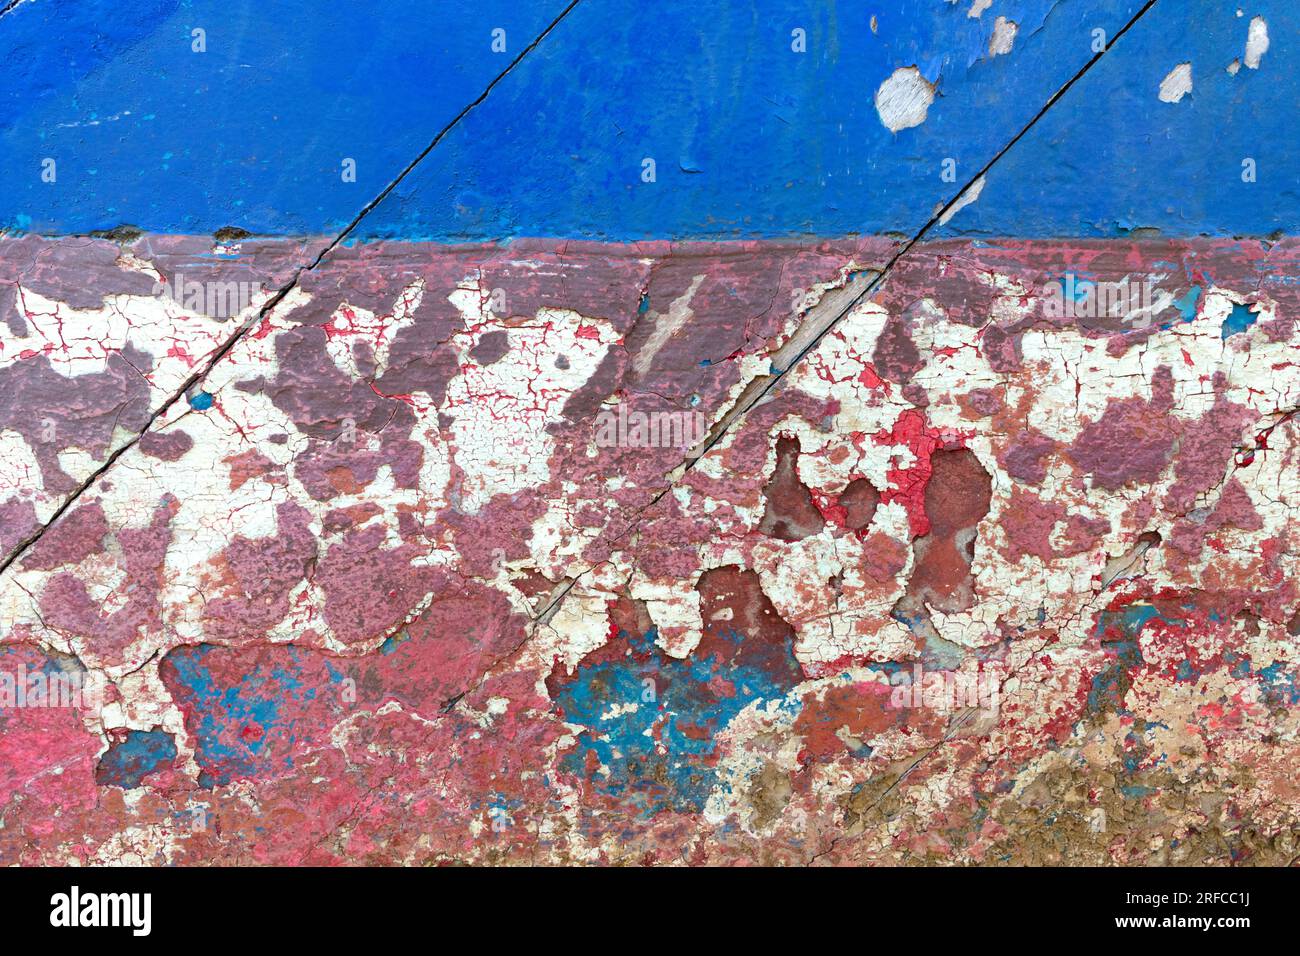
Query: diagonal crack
x=206, y=368
x=821, y=321
x=366, y=210
x=9, y=7
x=806, y=343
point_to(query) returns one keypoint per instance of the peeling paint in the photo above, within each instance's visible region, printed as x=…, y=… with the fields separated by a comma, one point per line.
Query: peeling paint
x=320, y=550
x=1004, y=36
x=1176, y=84
x=904, y=99
x=952, y=479
x=1256, y=42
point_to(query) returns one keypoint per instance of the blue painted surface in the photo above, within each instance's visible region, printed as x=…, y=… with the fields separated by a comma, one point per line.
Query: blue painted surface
x=1239, y=319
x=1116, y=159
x=250, y=133
x=223, y=751
x=749, y=137
x=127, y=762
x=660, y=751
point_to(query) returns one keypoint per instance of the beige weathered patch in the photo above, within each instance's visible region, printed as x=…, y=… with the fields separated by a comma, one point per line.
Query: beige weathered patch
x=1176, y=84
x=904, y=99
x=1004, y=36
x=1256, y=42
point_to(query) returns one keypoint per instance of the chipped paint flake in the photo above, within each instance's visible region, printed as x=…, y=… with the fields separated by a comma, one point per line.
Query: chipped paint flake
x=1004, y=36
x=1176, y=84
x=904, y=99
x=1256, y=42
x=968, y=196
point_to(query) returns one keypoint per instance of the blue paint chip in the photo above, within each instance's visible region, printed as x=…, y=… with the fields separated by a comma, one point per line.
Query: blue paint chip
x=657, y=750
x=1239, y=319
x=200, y=401
x=224, y=754
x=393, y=642
x=129, y=761
x=1187, y=303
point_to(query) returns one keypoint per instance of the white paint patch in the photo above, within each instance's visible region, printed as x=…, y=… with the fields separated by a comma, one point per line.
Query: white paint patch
x=20, y=472
x=904, y=99
x=500, y=411
x=968, y=196
x=977, y=8
x=350, y=325
x=81, y=341
x=1177, y=84
x=1004, y=36
x=1256, y=42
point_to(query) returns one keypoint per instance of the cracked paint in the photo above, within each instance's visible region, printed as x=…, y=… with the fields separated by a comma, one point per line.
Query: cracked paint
x=459, y=628
x=346, y=550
